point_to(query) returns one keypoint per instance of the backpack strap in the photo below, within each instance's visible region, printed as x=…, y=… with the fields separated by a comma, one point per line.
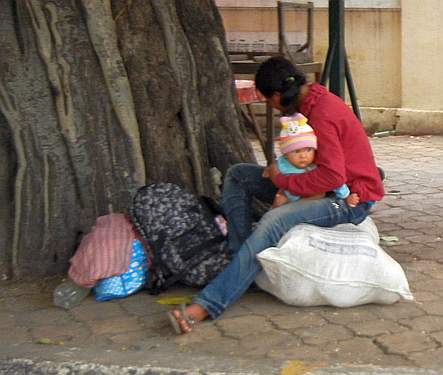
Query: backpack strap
x=157, y=268
x=213, y=206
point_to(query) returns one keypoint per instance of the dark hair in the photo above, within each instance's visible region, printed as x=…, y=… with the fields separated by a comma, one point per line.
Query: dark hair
x=278, y=74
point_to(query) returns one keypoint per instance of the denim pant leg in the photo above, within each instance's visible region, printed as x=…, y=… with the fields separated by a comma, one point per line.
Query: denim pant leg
x=233, y=282
x=242, y=183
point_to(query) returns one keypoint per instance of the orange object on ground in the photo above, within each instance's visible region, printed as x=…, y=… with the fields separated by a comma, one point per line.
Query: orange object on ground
x=247, y=93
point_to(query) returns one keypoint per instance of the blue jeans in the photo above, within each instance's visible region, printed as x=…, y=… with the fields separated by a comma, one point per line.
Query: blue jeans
x=242, y=182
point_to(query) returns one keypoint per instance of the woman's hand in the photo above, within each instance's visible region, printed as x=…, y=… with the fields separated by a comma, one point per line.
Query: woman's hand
x=271, y=171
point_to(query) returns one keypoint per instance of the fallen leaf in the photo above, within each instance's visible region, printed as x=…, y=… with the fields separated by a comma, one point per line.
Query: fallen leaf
x=175, y=300
x=46, y=341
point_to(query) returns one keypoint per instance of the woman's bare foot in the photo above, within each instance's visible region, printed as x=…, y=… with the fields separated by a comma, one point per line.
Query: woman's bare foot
x=183, y=320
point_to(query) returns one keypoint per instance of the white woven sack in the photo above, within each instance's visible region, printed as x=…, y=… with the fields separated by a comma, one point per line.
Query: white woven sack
x=341, y=266
x=367, y=226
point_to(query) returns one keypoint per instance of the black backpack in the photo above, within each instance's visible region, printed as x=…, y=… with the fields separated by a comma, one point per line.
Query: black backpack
x=186, y=243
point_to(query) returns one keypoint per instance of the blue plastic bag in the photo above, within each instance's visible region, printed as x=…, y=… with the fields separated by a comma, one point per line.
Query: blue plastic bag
x=127, y=283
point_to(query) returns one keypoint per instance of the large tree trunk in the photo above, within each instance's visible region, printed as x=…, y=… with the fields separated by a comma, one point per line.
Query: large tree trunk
x=98, y=98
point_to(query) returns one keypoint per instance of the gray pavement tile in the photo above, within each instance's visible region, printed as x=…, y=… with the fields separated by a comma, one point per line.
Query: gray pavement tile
x=345, y=316
x=438, y=336
x=28, y=303
x=397, y=311
x=429, y=285
x=69, y=334
x=241, y=326
x=40, y=317
x=426, y=299
x=7, y=320
x=142, y=304
x=301, y=354
x=373, y=328
x=374, y=371
x=15, y=337
x=429, y=358
x=297, y=320
x=407, y=342
x=361, y=350
x=424, y=324
x=97, y=311
x=116, y=325
x=323, y=334
x=255, y=345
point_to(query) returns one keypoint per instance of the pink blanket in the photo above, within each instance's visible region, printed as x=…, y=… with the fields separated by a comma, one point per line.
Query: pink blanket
x=104, y=252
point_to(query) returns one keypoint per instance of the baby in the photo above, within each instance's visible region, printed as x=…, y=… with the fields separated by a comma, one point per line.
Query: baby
x=298, y=145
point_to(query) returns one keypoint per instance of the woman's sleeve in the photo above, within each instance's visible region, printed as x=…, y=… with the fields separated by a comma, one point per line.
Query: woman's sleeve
x=330, y=172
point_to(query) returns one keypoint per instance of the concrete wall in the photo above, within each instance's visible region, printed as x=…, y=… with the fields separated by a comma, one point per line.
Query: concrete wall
x=422, y=67
x=395, y=53
x=422, y=54
x=373, y=48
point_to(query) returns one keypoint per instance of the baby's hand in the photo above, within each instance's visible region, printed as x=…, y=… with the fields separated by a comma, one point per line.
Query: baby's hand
x=280, y=199
x=265, y=173
x=353, y=200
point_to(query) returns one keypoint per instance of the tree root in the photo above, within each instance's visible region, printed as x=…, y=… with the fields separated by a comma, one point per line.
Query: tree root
x=183, y=64
x=9, y=110
x=102, y=33
x=58, y=71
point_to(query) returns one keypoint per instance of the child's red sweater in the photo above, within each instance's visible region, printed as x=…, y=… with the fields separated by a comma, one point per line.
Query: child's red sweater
x=344, y=154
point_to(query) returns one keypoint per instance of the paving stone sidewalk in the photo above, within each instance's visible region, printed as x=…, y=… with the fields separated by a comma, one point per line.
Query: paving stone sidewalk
x=259, y=334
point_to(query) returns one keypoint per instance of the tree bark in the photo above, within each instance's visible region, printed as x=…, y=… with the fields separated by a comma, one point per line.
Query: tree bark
x=98, y=98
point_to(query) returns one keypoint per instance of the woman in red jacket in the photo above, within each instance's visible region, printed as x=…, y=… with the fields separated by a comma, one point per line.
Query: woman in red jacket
x=344, y=156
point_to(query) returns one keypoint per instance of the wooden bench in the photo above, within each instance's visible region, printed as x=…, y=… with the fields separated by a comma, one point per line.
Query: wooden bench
x=251, y=66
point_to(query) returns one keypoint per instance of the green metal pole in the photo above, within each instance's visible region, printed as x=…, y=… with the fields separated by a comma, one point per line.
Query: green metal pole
x=337, y=39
